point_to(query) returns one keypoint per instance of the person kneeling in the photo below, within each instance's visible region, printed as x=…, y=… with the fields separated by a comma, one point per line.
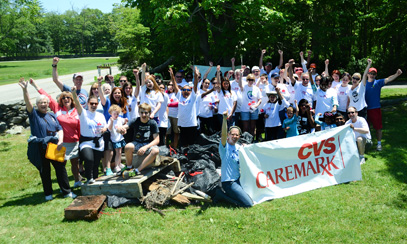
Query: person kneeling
x=361, y=131
x=146, y=138
x=230, y=169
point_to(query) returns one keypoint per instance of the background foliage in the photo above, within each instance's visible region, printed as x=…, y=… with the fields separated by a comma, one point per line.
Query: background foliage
x=199, y=31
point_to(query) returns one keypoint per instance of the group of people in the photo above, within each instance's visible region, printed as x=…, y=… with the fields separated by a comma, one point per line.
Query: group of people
x=282, y=102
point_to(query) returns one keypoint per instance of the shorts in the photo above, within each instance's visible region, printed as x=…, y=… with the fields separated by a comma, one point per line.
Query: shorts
x=138, y=145
x=245, y=116
x=72, y=150
x=368, y=142
x=374, y=117
x=174, y=125
x=119, y=144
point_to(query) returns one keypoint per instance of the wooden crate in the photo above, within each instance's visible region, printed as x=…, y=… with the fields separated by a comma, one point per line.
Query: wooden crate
x=85, y=208
x=129, y=188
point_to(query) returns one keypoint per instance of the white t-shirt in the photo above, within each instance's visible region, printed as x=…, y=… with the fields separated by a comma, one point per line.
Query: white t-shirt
x=250, y=95
x=187, y=110
x=182, y=84
x=291, y=90
x=114, y=135
x=152, y=98
x=335, y=84
x=234, y=86
x=226, y=101
x=275, y=70
x=172, y=111
x=360, y=123
x=357, y=97
x=283, y=90
x=325, y=100
x=206, y=105
x=162, y=112
x=91, y=126
x=343, y=92
x=272, y=109
x=303, y=92
x=132, y=108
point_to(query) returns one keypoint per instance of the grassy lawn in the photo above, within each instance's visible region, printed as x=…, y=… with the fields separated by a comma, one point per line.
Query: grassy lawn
x=393, y=93
x=373, y=210
x=10, y=72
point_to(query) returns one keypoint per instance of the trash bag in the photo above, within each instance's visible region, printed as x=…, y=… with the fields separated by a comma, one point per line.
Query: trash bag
x=164, y=151
x=205, y=140
x=246, y=138
x=203, y=174
x=115, y=201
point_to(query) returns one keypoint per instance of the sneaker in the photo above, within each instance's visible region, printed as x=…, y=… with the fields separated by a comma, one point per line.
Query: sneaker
x=362, y=161
x=122, y=166
x=120, y=173
x=71, y=195
x=134, y=172
x=48, y=198
x=109, y=172
x=77, y=184
x=117, y=169
x=379, y=147
x=91, y=181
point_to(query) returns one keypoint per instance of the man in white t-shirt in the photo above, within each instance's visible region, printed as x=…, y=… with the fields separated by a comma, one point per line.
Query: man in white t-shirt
x=361, y=131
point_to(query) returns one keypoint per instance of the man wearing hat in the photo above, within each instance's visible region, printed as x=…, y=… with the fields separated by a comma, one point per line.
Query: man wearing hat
x=372, y=96
x=77, y=81
x=268, y=68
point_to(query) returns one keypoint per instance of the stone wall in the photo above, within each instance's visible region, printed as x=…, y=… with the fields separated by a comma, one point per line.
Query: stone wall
x=13, y=118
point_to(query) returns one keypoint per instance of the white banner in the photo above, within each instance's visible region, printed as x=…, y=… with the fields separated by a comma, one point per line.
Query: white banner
x=298, y=164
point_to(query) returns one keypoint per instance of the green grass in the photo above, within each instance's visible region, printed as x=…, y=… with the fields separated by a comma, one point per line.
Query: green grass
x=10, y=72
x=393, y=93
x=373, y=210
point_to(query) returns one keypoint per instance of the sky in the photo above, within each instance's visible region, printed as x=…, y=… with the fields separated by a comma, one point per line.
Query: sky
x=61, y=6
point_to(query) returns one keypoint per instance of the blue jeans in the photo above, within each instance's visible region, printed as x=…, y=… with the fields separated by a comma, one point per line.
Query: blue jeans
x=234, y=193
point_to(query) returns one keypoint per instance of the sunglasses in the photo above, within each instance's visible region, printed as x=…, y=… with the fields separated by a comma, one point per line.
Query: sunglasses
x=351, y=112
x=65, y=98
x=318, y=80
x=122, y=80
x=328, y=114
x=356, y=78
x=93, y=104
x=178, y=76
x=250, y=79
x=188, y=90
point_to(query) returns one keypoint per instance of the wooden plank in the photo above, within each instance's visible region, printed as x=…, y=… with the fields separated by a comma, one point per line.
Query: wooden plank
x=85, y=207
x=115, y=185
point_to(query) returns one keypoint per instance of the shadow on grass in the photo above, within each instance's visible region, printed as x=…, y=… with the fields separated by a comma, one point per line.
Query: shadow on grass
x=26, y=200
x=394, y=151
x=7, y=66
x=5, y=146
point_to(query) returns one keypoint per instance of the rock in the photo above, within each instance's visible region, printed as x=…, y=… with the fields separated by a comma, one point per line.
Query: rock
x=16, y=120
x=15, y=130
x=27, y=122
x=23, y=108
x=3, y=127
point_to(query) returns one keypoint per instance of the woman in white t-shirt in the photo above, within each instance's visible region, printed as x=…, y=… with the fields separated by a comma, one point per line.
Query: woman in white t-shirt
x=163, y=116
x=343, y=94
x=357, y=95
x=187, y=121
x=227, y=101
x=173, y=110
x=251, y=100
x=91, y=143
x=206, y=107
x=150, y=93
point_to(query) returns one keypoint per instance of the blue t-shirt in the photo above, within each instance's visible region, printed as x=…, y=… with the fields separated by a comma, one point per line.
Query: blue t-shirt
x=292, y=123
x=106, y=111
x=43, y=125
x=229, y=155
x=82, y=96
x=372, y=94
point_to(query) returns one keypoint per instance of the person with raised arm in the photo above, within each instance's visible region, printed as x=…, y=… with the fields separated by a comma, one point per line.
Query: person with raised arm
x=150, y=93
x=357, y=92
x=187, y=119
x=271, y=111
x=77, y=81
x=305, y=121
x=227, y=100
x=67, y=116
x=91, y=143
x=325, y=97
x=45, y=129
x=268, y=68
x=343, y=94
x=230, y=168
x=173, y=109
x=372, y=96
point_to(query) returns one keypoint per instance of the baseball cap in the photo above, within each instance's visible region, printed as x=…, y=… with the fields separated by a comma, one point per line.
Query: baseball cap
x=275, y=75
x=77, y=75
x=255, y=68
x=297, y=70
x=268, y=63
x=313, y=65
x=372, y=70
x=271, y=93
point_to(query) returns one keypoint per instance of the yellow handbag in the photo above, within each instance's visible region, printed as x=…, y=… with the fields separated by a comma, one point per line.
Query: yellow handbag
x=52, y=153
